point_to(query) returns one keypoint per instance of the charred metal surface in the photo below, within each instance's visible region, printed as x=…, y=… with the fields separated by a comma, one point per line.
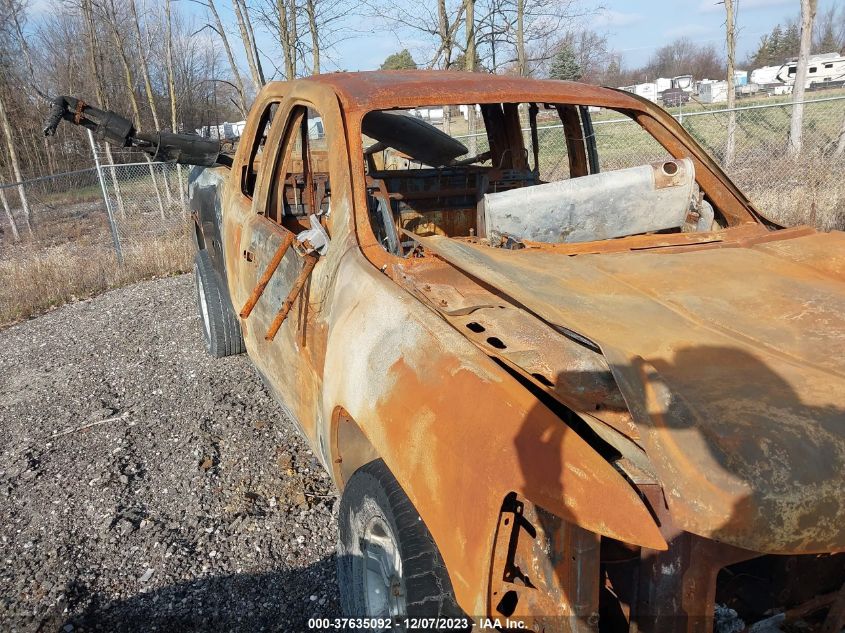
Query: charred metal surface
x=266, y=276
x=758, y=465
x=545, y=571
x=652, y=408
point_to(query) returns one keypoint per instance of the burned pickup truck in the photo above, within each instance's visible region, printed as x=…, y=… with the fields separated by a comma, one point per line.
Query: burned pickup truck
x=563, y=378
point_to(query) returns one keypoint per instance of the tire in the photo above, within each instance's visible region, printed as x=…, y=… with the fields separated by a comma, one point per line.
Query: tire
x=220, y=326
x=374, y=509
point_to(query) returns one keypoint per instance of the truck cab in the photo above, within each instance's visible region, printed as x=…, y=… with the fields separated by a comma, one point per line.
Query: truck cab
x=539, y=373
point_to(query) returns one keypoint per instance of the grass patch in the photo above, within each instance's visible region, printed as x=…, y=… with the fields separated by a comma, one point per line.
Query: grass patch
x=35, y=282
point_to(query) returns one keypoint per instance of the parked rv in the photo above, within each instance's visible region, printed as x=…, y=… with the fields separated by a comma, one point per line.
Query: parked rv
x=824, y=68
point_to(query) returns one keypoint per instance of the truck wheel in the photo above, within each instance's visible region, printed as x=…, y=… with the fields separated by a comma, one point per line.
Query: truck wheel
x=388, y=564
x=220, y=327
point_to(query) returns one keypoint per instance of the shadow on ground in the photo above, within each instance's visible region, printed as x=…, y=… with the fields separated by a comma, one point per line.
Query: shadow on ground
x=273, y=601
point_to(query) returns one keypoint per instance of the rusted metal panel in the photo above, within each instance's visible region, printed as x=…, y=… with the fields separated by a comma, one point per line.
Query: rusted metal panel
x=545, y=572
x=597, y=207
x=730, y=380
x=423, y=394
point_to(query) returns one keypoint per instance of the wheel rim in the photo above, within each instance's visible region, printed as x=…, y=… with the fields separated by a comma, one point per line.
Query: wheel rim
x=203, y=305
x=384, y=589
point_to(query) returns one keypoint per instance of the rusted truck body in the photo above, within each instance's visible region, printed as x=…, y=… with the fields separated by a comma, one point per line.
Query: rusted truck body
x=610, y=412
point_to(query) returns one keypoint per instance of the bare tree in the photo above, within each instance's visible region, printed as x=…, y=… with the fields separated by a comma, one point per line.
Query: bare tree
x=808, y=15
x=287, y=36
x=16, y=236
x=112, y=20
x=248, y=39
x=148, y=88
x=145, y=67
x=438, y=24
x=730, y=36
x=171, y=90
x=91, y=31
x=13, y=158
x=521, y=58
x=470, y=58
x=236, y=75
x=590, y=52
x=9, y=28
x=311, y=11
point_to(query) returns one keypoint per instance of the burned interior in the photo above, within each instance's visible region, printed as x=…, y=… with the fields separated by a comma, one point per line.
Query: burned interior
x=517, y=190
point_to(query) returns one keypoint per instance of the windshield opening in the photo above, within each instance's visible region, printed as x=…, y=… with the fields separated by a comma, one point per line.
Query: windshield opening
x=522, y=173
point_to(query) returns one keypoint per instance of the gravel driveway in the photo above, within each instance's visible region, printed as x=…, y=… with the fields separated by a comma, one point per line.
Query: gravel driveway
x=195, y=506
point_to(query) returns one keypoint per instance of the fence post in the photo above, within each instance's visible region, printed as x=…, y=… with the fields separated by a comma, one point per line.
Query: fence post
x=112, y=224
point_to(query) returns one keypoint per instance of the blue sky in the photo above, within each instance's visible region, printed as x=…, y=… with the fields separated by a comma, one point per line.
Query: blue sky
x=634, y=29
x=637, y=28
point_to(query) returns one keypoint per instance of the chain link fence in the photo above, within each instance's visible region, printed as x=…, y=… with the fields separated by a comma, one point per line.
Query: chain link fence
x=82, y=232
x=85, y=233
x=806, y=189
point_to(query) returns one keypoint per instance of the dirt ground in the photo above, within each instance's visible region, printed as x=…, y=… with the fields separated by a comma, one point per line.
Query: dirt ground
x=195, y=506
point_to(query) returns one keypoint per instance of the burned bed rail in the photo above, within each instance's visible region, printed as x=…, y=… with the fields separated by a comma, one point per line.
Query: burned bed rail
x=186, y=149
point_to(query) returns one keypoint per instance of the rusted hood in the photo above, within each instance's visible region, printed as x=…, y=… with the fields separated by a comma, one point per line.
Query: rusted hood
x=731, y=361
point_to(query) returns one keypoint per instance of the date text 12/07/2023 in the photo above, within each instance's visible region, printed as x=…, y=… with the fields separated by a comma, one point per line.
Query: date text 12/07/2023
x=416, y=624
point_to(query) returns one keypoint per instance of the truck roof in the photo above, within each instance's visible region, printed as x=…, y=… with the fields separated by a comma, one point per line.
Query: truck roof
x=373, y=90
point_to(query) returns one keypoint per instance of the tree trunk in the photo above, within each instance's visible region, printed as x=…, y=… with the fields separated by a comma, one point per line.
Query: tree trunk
x=249, y=49
x=171, y=88
x=284, y=39
x=16, y=168
x=522, y=64
x=145, y=69
x=444, y=33
x=730, y=33
x=469, y=59
x=293, y=37
x=808, y=15
x=251, y=33
x=469, y=66
x=230, y=56
x=315, y=39
x=9, y=217
x=130, y=89
x=51, y=157
x=101, y=96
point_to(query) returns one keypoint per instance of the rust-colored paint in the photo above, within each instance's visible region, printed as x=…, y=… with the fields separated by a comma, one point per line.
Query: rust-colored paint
x=266, y=276
x=476, y=373
x=293, y=295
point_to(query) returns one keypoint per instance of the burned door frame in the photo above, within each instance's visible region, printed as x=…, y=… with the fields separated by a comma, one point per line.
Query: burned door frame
x=300, y=281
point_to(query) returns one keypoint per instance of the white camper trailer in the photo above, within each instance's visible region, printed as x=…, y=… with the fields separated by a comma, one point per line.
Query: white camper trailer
x=713, y=92
x=647, y=90
x=821, y=69
x=765, y=75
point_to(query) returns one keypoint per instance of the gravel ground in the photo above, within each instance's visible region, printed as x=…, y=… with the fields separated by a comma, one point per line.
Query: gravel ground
x=195, y=506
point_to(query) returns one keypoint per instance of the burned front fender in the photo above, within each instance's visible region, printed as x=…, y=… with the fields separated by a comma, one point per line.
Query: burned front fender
x=458, y=432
